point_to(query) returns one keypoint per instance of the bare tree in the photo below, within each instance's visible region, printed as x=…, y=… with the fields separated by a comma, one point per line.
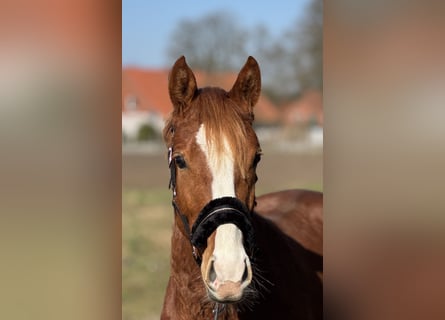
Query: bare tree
x=212, y=43
x=293, y=61
x=307, y=37
x=290, y=63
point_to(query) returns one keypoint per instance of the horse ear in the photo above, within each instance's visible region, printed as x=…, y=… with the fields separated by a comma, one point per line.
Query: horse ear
x=247, y=86
x=181, y=84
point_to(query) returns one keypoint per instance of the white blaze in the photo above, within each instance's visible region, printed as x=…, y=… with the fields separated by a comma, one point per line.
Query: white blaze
x=221, y=166
x=229, y=251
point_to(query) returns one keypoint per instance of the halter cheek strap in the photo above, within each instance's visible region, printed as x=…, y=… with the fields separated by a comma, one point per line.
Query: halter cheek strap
x=217, y=212
x=172, y=185
x=185, y=222
x=171, y=165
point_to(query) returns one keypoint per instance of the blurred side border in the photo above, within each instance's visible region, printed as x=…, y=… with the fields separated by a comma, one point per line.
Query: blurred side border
x=60, y=189
x=383, y=160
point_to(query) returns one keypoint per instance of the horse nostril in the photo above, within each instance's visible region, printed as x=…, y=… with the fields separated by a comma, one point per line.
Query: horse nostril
x=245, y=274
x=212, y=273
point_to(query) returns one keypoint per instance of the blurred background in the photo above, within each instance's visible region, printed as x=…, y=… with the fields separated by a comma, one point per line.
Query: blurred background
x=62, y=167
x=216, y=38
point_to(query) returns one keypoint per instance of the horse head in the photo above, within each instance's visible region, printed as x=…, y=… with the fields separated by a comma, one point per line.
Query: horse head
x=213, y=153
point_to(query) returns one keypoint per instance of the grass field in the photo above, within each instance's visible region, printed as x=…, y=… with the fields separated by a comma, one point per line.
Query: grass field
x=146, y=226
x=147, y=219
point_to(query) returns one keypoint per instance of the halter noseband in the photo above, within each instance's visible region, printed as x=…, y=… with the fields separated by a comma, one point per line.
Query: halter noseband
x=215, y=213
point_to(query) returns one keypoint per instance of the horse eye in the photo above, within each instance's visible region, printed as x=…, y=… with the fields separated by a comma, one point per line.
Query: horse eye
x=180, y=162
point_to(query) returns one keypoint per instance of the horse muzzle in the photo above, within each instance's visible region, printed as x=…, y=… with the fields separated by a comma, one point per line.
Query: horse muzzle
x=227, y=271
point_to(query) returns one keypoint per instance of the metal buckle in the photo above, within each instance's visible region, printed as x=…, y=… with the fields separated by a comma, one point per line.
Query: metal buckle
x=170, y=156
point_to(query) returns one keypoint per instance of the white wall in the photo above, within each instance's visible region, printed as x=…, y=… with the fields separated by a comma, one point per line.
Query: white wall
x=133, y=120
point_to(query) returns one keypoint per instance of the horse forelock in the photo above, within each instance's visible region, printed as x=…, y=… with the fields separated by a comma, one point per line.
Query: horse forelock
x=226, y=122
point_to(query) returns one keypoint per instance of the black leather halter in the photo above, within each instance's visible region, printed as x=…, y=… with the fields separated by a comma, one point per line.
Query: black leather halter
x=215, y=213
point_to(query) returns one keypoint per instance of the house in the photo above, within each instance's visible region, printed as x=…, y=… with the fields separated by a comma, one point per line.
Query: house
x=306, y=110
x=304, y=116
x=145, y=100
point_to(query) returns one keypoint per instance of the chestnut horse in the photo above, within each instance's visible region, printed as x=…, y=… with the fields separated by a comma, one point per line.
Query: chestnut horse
x=228, y=261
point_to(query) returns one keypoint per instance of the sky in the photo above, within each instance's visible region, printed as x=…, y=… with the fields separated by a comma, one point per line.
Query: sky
x=147, y=25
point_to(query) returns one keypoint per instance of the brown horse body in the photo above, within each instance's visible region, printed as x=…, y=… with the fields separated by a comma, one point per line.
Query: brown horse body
x=213, y=153
x=298, y=213
x=288, y=289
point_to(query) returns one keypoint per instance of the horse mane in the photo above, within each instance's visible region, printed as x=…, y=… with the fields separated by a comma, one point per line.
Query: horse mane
x=221, y=116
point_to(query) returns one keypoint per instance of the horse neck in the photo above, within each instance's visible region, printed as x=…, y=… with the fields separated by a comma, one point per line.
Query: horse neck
x=186, y=293
x=183, y=264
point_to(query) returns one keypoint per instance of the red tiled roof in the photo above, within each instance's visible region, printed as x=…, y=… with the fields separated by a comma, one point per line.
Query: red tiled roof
x=150, y=88
x=309, y=106
x=265, y=111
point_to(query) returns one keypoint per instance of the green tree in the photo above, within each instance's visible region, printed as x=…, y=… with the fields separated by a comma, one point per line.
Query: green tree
x=147, y=133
